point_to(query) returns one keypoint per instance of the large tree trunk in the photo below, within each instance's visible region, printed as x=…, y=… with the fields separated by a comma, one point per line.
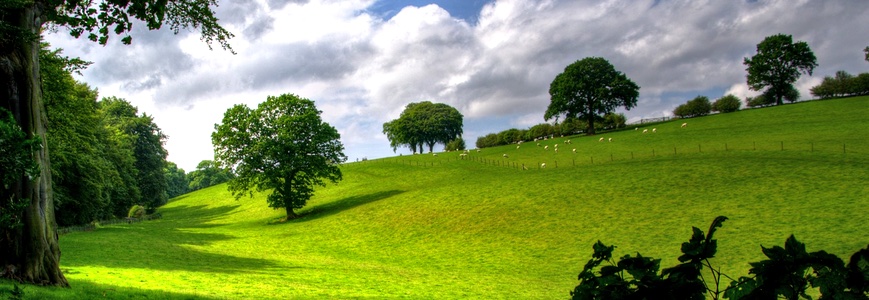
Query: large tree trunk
x=29, y=253
x=290, y=213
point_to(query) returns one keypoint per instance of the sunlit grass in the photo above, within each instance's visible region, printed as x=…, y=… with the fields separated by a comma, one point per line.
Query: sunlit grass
x=441, y=227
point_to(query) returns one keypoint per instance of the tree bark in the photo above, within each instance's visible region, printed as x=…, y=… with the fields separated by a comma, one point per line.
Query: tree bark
x=30, y=253
x=290, y=213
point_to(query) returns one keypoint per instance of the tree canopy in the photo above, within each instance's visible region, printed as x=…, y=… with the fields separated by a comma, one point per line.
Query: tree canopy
x=424, y=124
x=282, y=146
x=207, y=173
x=588, y=89
x=777, y=65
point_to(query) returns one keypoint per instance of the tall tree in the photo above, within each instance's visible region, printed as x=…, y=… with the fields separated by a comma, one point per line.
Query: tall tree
x=777, y=65
x=33, y=249
x=424, y=124
x=588, y=89
x=282, y=146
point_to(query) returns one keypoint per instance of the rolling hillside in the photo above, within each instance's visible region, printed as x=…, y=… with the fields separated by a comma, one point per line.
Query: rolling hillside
x=440, y=226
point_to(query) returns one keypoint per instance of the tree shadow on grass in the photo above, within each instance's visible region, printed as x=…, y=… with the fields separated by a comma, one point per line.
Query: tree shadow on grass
x=331, y=208
x=171, y=243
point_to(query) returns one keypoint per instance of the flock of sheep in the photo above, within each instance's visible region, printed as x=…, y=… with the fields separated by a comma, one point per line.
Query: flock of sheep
x=555, y=146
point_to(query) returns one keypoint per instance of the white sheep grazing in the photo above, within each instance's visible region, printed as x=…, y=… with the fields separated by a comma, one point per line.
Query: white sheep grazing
x=434, y=154
x=611, y=139
x=478, y=150
x=505, y=155
x=517, y=147
x=568, y=142
x=684, y=125
x=556, y=145
x=556, y=150
x=600, y=140
x=645, y=130
x=574, y=150
x=654, y=130
x=538, y=144
x=545, y=147
x=636, y=128
x=543, y=165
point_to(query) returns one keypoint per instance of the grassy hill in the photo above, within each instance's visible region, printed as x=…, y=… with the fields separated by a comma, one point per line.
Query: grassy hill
x=429, y=226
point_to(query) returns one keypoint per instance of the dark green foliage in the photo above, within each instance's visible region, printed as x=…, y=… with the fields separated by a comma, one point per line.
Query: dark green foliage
x=614, y=121
x=727, y=104
x=699, y=106
x=176, y=180
x=588, y=89
x=455, y=145
x=424, y=124
x=207, y=173
x=760, y=101
x=16, y=161
x=282, y=146
x=777, y=65
x=788, y=273
x=842, y=85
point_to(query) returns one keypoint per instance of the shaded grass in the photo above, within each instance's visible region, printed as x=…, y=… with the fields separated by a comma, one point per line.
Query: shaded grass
x=480, y=229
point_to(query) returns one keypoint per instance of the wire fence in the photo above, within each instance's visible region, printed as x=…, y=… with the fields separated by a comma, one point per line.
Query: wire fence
x=93, y=225
x=572, y=159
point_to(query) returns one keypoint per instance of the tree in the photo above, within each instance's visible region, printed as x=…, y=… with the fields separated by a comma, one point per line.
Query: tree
x=778, y=64
x=282, y=146
x=207, y=173
x=699, y=106
x=588, y=89
x=726, y=104
x=424, y=124
x=32, y=249
x=176, y=180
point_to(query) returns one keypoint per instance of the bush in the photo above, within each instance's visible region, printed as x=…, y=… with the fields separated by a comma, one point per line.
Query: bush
x=699, y=106
x=137, y=211
x=726, y=104
x=614, y=121
x=455, y=145
x=760, y=101
x=788, y=271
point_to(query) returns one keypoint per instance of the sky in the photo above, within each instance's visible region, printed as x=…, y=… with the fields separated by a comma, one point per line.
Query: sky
x=363, y=61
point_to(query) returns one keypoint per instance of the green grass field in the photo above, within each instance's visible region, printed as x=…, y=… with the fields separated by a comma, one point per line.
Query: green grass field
x=429, y=226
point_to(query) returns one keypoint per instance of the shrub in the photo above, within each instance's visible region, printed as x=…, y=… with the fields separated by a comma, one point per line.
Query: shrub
x=726, y=104
x=614, y=121
x=788, y=271
x=760, y=101
x=455, y=145
x=699, y=106
x=137, y=211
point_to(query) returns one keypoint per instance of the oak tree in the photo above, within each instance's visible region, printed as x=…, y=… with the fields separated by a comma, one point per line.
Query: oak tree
x=777, y=65
x=282, y=146
x=588, y=89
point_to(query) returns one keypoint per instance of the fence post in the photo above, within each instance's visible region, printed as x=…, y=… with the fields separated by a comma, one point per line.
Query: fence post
x=755, y=145
x=782, y=146
x=699, y=149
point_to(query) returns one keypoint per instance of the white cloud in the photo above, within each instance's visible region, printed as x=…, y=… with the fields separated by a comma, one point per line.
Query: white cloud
x=362, y=70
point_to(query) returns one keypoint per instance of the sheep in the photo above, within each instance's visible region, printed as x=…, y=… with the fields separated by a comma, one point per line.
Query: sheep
x=517, y=147
x=462, y=155
x=543, y=165
x=645, y=130
x=636, y=128
x=611, y=139
x=556, y=145
x=556, y=150
x=684, y=125
x=600, y=140
x=567, y=142
x=574, y=150
x=545, y=147
x=478, y=150
x=505, y=155
x=654, y=130
x=434, y=154
x=538, y=144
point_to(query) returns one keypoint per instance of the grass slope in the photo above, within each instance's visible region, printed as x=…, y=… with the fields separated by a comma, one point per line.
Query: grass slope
x=441, y=227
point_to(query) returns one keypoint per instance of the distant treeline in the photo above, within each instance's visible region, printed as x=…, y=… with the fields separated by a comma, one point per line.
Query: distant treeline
x=546, y=130
x=842, y=85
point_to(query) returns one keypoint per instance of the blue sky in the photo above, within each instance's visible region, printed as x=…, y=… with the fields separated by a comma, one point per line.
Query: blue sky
x=363, y=61
x=468, y=10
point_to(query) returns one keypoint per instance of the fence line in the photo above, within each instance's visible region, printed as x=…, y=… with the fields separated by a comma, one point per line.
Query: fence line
x=93, y=225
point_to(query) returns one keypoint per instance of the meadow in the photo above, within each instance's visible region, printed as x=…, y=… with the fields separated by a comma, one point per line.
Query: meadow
x=444, y=227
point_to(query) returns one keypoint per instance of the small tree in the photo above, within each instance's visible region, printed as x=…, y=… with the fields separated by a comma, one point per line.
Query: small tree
x=456, y=145
x=777, y=65
x=282, y=146
x=759, y=101
x=726, y=104
x=424, y=124
x=699, y=106
x=588, y=89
